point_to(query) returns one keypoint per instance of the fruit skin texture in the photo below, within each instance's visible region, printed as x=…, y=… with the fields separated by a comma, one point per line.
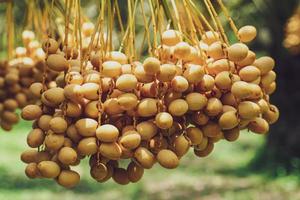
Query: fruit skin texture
x=57, y=62
x=67, y=155
x=68, y=178
x=164, y=120
x=49, y=169
x=247, y=33
x=171, y=37
x=237, y=52
x=178, y=107
x=31, y=112
x=107, y=133
x=144, y=157
x=196, y=101
x=264, y=64
x=167, y=159
x=135, y=172
x=151, y=65
x=86, y=127
x=131, y=141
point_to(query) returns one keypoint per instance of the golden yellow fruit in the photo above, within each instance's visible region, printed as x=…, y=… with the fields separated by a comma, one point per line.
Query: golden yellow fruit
x=249, y=60
x=48, y=169
x=203, y=153
x=54, y=141
x=178, y=107
x=144, y=157
x=86, y=127
x=228, y=120
x=216, y=51
x=247, y=33
x=73, y=92
x=249, y=73
x=43, y=122
x=87, y=146
x=272, y=115
x=50, y=46
x=268, y=79
x=35, y=138
x=32, y=171
x=164, y=120
x=171, y=96
x=171, y=37
x=206, y=84
x=31, y=112
x=194, y=73
x=248, y=110
x=73, y=109
x=116, y=56
x=57, y=62
x=270, y=89
x=73, y=134
x=264, y=64
x=179, y=84
x=200, y=118
x=241, y=90
x=90, y=91
x=68, y=178
x=196, y=101
x=58, y=125
x=67, y=155
x=10, y=104
x=167, y=158
x=126, y=82
x=10, y=117
x=167, y=72
x=142, y=76
x=202, y=145
x=91, y=109
x=107, y=133
x=259, y=126
x=182, y=50
x=110, y=150
x=29, y=156
x=223, y=80
x=147, y=107
x=151, y=65
x=214, y=107
x=195, y=135
x=127, y=101
x=147, y=130
x=112, y=107
x=237, y=52
x=130, y=141
x=211, y=129
x=111, y=69
x=219, y=66
x=181, y=145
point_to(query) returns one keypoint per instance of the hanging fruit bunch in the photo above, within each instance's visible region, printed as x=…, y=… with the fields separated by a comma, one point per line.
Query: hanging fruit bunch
x=192, y=90
x=24, y=66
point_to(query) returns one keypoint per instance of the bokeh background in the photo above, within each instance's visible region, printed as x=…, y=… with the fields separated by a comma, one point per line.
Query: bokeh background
x=254, y=167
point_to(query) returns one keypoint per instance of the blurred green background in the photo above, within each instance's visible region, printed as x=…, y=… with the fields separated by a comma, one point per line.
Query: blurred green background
x=254, y=167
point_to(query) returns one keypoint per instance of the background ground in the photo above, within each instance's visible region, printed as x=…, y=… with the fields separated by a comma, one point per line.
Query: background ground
x=223, y=175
